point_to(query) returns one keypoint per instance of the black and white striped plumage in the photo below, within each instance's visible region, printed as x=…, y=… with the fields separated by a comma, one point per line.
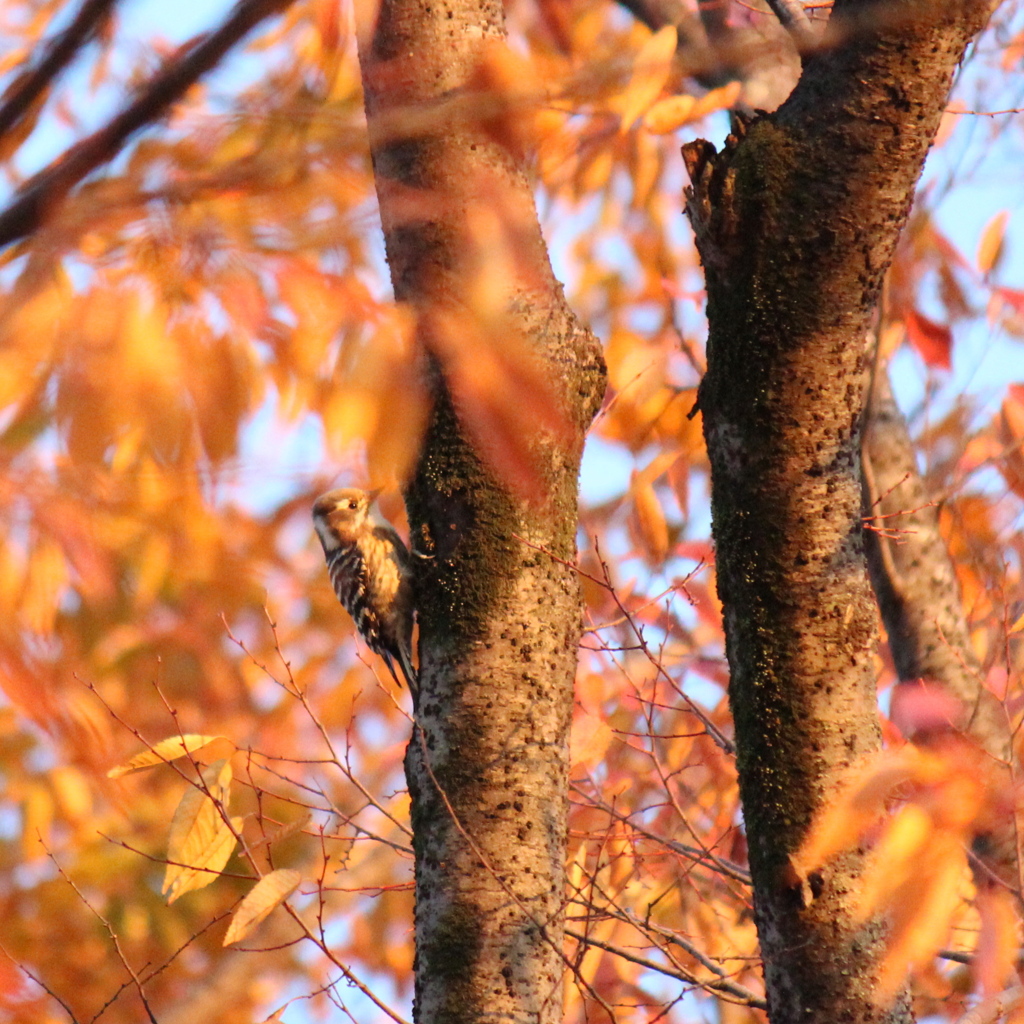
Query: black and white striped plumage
x=369, y=568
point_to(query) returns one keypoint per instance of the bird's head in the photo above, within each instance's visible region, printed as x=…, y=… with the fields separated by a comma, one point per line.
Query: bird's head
x=340, y=513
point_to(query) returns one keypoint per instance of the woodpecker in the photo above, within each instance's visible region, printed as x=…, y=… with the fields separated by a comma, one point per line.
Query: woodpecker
x=369, y=568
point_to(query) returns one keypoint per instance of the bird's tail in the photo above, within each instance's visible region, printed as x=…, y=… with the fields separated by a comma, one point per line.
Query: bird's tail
x=404, y=659
x=412, y=679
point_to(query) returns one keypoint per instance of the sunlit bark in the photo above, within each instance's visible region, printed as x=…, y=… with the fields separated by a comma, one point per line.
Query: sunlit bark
x=796, y=221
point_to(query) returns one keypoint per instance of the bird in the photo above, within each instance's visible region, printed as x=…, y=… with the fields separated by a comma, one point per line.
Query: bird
x=369, y=567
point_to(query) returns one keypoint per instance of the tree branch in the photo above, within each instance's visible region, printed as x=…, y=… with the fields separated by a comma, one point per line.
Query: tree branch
x=57, y=55
x=918, y=595
x=42, y=193
x=793, y=18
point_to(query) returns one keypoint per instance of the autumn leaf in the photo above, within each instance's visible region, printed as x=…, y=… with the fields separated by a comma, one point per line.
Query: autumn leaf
x=722, y=98
x=990, y=245
x=201, y=841
x=589, y=741
x=1010, y=429
x=669, y=114
x=166, y=750
x=651, y=69
x=917, y=871
x=502, y=395
x=205, y=334
x=933, y=341
x=267, y=894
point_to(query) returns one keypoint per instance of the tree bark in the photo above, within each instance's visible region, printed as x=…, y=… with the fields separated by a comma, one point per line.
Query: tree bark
x=796, y=222
x=499, y=617
x=918, y=595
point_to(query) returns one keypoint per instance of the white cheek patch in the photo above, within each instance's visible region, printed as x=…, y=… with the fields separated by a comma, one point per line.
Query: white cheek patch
x=326, y=535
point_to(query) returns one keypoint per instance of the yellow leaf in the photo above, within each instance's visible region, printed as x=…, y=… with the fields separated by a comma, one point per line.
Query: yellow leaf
x=382, y=401
x=47, y=576
x=152, y=567
x=594, y=169
x=990, y=246
x=669, y=114
x=74, y=796
x=645, y=165
x=201, y=841
x=37, y=819
x=160, y=753
x=650, y=73
x=575, y=874
x=269, y=892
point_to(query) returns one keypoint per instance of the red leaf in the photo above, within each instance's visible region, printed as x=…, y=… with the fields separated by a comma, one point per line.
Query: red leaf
x=934, y=342
x=1012, y=297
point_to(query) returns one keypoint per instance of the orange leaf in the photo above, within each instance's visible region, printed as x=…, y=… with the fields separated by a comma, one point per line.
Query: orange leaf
x=669, y=114
x=650, y=73
x=589, y=740
x=996, y=953
x=647, y=523
x=717, y=99
x=502, y=393
x=921, y=911
x=990, y=246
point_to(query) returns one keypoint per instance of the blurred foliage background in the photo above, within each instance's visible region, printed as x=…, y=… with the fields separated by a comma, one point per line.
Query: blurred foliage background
x=199, y=339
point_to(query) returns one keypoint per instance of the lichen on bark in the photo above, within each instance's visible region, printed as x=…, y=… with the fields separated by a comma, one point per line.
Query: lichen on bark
x=796, y=220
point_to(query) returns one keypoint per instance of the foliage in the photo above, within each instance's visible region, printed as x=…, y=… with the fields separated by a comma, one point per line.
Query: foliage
x=199, y=340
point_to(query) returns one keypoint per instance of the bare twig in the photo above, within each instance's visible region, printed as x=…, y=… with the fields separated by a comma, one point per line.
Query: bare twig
x=115, y=941
x=42, y=193
x=698, y=856
x=42, y=984
x=713, y=731
x=994, y=1007
x=729, y=990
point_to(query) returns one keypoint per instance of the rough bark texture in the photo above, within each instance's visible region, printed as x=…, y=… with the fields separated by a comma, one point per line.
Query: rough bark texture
x=499, y=620
x=796, y=221
x=919, y=598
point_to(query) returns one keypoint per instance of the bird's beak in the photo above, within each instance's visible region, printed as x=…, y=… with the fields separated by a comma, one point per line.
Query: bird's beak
x=374, y=494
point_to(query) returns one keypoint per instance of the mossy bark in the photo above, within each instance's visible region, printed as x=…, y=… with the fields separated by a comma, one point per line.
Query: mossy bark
x=796, y=221
x=498, y=601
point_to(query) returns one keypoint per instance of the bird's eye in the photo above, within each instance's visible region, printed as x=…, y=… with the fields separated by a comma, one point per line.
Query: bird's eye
x=353, y=505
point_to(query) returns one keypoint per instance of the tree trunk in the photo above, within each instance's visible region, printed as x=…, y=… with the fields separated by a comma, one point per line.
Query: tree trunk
x=796, y=222
x=499, y=617
x=918, y=595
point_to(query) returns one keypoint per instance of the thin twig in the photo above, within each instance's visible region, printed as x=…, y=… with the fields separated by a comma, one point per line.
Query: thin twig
x=43, y=192
x=699, y=856
x=994, y=1007
x=719, y=986
x=115, y=941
